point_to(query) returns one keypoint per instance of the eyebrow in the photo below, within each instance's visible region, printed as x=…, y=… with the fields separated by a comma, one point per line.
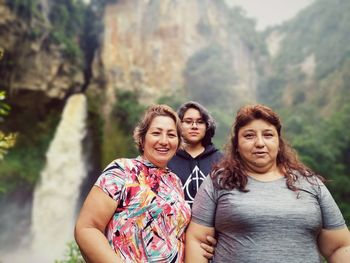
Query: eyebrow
x=252, y=130
x=189, y=118
x=161, y=129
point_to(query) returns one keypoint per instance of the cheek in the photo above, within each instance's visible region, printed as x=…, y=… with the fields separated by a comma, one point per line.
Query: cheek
x=242, y=146
x=274, y=145
x=175, y=143
x=273, y=149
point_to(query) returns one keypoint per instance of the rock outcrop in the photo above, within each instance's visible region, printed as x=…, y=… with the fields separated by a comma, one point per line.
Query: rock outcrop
x=30, y=63
x=146, y=44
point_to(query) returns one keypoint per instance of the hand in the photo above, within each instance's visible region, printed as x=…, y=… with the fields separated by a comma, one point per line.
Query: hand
x=209, y=247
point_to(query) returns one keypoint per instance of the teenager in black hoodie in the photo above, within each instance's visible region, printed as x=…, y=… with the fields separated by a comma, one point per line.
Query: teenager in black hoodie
x=193, y=162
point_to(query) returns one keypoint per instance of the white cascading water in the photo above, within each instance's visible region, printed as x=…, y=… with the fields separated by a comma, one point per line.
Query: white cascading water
x=57, y=193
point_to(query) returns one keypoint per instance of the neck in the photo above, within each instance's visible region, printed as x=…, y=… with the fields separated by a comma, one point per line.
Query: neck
x=194, y=149
x=268, y=175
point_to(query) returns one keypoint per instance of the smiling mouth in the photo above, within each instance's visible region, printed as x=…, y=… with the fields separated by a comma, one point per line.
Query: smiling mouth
x=162, y=150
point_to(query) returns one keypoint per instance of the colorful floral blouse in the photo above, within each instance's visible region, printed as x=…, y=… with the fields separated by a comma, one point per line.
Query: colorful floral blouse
x=152, y=215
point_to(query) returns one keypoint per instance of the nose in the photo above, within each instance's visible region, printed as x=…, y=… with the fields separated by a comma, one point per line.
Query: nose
x=259, y=142
x=194, y=125
x=163, y=139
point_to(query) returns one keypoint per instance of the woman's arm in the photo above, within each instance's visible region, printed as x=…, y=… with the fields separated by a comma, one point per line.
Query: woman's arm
x=94, y=216
x=334, y=245
x=195, y=235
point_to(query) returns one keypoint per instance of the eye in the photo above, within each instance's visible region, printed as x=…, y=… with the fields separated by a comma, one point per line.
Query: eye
x=188, y=122
x=172, y=135
x=268, y=135
x=248, y=136
x=200, y=122
x=155, y=133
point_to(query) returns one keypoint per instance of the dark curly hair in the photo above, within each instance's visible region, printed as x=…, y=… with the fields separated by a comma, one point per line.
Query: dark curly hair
x=230, y=172
x=206, y=117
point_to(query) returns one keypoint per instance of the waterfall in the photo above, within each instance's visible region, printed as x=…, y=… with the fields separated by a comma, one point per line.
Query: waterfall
x=57, y=194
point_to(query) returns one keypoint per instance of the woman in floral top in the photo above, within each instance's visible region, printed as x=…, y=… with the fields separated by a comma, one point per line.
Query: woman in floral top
x=137, y=206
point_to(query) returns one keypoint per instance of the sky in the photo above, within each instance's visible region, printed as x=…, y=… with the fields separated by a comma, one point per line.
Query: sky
x=270, y=12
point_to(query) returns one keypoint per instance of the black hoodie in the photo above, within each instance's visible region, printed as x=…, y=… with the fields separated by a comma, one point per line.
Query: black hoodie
x=192, y=171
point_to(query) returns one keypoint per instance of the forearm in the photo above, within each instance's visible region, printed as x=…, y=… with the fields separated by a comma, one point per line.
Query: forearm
x=194, y=251
x=95, y=247
x=341, y=255
x=195, y=235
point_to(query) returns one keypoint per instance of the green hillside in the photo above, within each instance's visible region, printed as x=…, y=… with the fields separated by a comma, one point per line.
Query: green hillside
x=310, y=87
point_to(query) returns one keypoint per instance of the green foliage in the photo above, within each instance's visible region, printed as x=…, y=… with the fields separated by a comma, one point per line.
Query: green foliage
x=324, y=146
x=315, y=105
x=27, y=9
x=116, y=144
x=73, y=254
x=270, y=90
x=224, y=122
x=325, y=36
x=7, y=141
x=127, y=110
x=102, y=3
x=244, y=27
x=22, y=165
x=118, y=133
x=173, y=100
x=325, y=39
x=4, y=107
x=67, y=18
x=208, y=76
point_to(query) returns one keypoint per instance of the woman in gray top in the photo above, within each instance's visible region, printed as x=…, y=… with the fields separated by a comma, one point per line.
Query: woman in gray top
x=263, y=204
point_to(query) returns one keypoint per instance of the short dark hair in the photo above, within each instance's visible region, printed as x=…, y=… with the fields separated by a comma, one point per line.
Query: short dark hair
x=205, y=115
x=152, y=112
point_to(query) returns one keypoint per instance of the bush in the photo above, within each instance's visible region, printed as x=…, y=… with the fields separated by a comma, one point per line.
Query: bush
x=73, y=254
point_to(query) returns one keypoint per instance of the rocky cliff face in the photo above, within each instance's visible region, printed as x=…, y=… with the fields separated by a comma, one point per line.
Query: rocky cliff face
x=30, y=64
x=146, y=44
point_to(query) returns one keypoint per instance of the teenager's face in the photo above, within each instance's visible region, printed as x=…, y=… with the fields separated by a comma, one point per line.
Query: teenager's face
x=161, y=141
x=193, y=127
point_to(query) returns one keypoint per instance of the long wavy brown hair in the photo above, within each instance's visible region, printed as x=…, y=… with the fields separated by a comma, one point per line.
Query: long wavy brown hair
x=230, y=172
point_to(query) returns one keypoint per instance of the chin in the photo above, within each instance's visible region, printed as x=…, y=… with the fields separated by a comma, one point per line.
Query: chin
x=162, y=162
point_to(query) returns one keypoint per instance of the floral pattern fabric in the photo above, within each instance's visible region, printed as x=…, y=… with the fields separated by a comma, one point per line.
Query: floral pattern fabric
x=152, y=215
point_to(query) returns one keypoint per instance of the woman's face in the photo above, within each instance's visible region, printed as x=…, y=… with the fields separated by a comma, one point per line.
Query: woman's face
x=161, y=141
x=258, y=144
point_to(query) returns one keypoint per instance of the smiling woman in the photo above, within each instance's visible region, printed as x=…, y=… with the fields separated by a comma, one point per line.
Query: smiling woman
x=136, y=210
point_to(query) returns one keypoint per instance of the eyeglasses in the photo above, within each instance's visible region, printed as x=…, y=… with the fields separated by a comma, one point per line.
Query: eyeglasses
x=190, y=122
